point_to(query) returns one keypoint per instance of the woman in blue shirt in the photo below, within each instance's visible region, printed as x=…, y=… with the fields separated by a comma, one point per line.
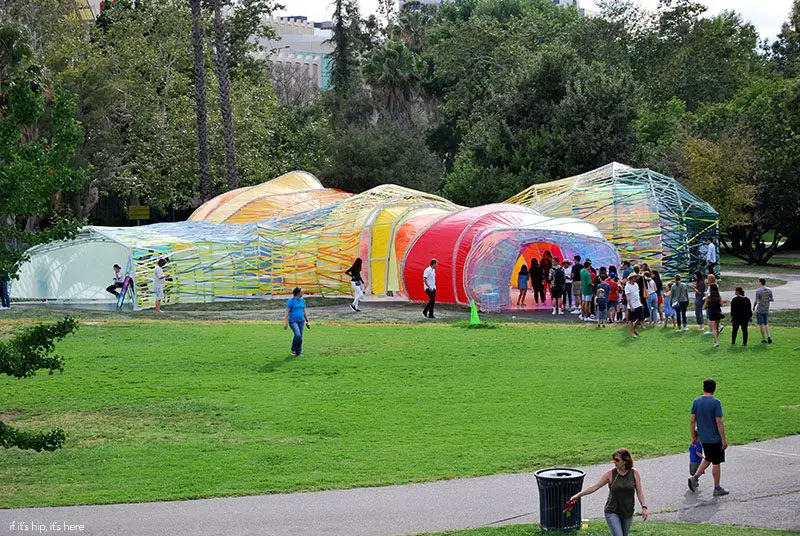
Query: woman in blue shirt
x=296, y=316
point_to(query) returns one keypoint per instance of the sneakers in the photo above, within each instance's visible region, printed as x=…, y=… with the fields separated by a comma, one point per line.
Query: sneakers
x=769, y=340
x=592, y=317
x=720, y=329
x=554, y=310
x=353, y=307
x=561, y=312
x=706, y=333
x=693, y=484
x=685, y=329
x=581, y=317
x=575, y=312
x=716, y=345
x=720, y=492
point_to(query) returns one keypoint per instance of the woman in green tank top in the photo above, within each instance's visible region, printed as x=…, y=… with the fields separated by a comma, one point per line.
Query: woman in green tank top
x=622, y=481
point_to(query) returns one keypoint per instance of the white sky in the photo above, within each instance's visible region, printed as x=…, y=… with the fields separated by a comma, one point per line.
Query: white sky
x=766, y=15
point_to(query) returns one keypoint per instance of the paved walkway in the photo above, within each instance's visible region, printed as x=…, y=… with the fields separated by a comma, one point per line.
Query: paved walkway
x=764, y=480
x=786, y=296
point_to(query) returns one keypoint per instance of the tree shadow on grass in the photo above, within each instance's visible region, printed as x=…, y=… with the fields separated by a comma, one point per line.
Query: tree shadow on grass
x=275, y=364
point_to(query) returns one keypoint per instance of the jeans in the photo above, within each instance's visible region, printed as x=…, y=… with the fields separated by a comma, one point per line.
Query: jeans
x=297, y=341
x=680, y=312
x=652, y=304
x=698, y=310
x=428, y=311
x=538, y=291
x=5, y=295
x=358, y=293
x=619, y=526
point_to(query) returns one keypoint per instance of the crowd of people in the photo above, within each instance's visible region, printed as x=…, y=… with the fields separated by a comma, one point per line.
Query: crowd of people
x=637, y=295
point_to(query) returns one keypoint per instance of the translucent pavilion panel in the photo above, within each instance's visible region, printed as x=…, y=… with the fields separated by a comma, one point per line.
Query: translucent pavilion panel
x=224, y=207
x=648, y=216
x=74, y=270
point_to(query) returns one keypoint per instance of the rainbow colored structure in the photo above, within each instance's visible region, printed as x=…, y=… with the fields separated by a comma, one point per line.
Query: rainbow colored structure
x=648, y=216
x=264, y=240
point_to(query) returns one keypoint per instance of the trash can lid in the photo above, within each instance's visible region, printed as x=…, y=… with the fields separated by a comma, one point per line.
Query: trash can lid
x=559, y=473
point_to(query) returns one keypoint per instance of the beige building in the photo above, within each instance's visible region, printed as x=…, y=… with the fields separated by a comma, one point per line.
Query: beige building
x=302, y=47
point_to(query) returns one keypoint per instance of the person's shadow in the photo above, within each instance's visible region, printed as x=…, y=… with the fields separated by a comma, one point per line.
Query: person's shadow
x=697, y=509
x=275, y=364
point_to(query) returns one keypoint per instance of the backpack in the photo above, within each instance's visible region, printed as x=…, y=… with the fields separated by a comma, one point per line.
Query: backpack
x=559, y=278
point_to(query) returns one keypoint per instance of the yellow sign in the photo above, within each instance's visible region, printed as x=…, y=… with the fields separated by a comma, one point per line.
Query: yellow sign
x=139, y=212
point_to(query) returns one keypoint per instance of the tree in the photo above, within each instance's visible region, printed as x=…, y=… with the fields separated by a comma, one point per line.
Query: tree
x=786, y=50
x=344, y=60
x=38, y=136
x=200, y=100
x=224, y=86
x=21, y=357
x=393, y=72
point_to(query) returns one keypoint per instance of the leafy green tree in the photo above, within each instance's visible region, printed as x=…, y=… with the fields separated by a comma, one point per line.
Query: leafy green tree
x=786, y=49
x=200, y=99
x=21, y=357
x=220, y=49
x=361, y=158
x=38, y=136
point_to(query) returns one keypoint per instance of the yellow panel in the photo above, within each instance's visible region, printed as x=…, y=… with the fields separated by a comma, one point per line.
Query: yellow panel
x=382, y=248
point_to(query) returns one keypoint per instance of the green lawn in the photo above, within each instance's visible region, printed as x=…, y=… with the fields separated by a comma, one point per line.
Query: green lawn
x=790, y=265
x=729, y=283
x=648, y=528
x=172, y=410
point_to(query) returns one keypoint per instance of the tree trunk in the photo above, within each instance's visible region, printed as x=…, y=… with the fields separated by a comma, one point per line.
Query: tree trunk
x=200, y=100
x=225, y=108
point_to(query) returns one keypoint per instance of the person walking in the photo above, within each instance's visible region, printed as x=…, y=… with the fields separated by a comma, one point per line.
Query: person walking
x=741, y=313
x=118, y=279
x=707, y=420
x=714, y=304
x=680, y=301
x=159, y=282
x=357, y=282
x=558, y=281
x=522, y=284
x=761, y=307
x=429, y=280
x=5, y=295
x=537, y=284
x=622, y=481
x=699, y=287
x=712, y=260
x=296, y=317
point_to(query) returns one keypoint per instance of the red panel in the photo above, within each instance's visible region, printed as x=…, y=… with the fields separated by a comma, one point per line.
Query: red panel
x=439, y=242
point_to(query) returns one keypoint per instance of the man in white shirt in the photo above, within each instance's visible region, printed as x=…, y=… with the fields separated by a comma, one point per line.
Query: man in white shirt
x=429, y=280
x=711, y=256
x=159, y=281
x=632, y=294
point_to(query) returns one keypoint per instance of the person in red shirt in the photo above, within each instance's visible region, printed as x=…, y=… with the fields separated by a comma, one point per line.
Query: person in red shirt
x=613, y=297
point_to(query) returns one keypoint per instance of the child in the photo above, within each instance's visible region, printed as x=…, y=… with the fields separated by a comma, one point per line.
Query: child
x=601, y=304
x=695, y=453
x=669, y=310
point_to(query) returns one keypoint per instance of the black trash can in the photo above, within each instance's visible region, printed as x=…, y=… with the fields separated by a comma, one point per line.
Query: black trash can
x=556, y=486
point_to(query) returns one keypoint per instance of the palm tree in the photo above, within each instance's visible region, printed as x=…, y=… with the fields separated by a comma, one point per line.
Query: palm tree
x=412, y=29
x=200, y=99
x=224, y=84
x=394, y=72
x=15, y=46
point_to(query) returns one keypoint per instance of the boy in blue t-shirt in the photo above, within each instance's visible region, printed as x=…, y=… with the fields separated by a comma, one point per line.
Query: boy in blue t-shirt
x=695, y=454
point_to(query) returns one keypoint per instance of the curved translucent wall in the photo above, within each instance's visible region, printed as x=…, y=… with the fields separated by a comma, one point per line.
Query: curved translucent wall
x=495, y=253
x=648, y=216
x=224, y=207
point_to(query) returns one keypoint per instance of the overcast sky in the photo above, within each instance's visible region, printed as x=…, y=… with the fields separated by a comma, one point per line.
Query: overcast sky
x=766, y=15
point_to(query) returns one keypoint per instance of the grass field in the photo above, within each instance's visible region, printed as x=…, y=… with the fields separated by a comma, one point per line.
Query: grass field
x=647, y=528
x=170, y=410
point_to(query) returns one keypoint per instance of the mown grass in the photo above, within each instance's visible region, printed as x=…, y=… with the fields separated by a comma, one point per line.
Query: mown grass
x=788, y=265
x=729, y=283
x=648, y=528
x=175, y=410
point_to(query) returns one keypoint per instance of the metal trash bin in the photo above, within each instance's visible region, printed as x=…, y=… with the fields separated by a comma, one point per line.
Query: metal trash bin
x=556, y=486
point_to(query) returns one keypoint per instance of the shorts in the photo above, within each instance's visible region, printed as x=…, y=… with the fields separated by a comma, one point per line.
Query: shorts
x=762, y=319
x=587, y=297
x=556, y=292
x=660, y=299
x=613, y=304
x=601, y=310
x=159, y=292
x=635, y=314
x=714, y=453
x=576, y=288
